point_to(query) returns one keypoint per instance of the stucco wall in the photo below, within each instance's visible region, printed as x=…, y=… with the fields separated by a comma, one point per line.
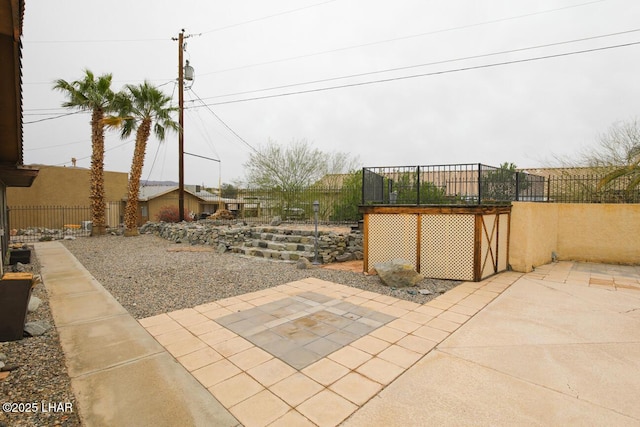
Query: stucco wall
x=66, y=186
x=191, y=203
x=533, y=235
x=581, y=232
x=608, y=233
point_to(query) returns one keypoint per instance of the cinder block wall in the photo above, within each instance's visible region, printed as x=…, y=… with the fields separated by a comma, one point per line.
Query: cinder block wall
x=606, y=233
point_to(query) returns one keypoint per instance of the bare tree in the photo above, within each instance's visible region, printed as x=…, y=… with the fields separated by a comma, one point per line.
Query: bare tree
x=616, y=157
x=618, y=147
x=294, y=166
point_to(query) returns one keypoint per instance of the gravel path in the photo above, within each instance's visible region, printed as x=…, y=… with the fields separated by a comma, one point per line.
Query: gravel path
x=149, y=275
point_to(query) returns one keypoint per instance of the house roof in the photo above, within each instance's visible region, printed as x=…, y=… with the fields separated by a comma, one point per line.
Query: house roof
x=567, y=171
x=12, y=173
x=153, y=191
x=209, y=197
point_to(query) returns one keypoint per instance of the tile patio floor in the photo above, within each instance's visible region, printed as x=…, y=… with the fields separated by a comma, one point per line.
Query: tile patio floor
x=283, y=356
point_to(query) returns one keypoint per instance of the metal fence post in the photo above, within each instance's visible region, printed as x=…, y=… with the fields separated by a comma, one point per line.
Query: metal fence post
x=418, y=185
x=363, y=185
x=479, y=183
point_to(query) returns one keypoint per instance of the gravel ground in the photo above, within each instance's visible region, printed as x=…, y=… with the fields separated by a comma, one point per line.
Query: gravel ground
x=149, y=275
x=41, y=376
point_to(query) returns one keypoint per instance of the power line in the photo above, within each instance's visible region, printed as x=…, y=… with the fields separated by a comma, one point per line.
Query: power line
x=224, y=124
x=423, y=65
x=445, y=30
x=165, y=39
x=55, y=146
x=52, y=118
x=96, y=41
x=286, y=12
x=108, y=149
x=202, y=129
x=455, y=70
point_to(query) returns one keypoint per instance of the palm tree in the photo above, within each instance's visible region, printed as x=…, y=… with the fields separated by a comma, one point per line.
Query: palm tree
x=95, y=95
x=143, y=107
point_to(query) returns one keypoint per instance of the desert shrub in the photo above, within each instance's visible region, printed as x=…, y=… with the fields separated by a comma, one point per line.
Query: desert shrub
x=171, y=214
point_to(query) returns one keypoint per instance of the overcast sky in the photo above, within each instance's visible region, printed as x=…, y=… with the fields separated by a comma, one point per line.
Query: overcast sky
x=401, y=82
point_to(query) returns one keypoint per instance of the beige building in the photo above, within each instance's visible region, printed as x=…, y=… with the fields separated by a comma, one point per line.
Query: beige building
x=66, y=186
x=60, y=197
x=153, y=199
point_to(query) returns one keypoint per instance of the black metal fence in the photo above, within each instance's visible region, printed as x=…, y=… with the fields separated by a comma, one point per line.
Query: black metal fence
x=591, y=188
x=336, y=204
x=339, y=201
x=40, y=223
x=460, y=184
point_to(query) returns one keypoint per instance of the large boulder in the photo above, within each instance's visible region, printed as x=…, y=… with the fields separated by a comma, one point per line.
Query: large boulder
x=397, y=273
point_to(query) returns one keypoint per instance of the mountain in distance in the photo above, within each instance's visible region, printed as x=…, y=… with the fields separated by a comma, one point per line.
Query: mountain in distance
x=145, y=183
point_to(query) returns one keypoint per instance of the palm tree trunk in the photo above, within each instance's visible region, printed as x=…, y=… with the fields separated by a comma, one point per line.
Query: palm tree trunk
x=131, y=209
x=98, y=205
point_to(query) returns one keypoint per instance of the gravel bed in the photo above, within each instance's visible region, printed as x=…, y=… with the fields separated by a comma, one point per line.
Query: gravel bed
x=148, y=276
x=41, y=374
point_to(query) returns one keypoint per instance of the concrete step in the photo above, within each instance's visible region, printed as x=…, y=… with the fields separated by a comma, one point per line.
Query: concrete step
x=282, y=237
x=282, y=255
x=280, y=245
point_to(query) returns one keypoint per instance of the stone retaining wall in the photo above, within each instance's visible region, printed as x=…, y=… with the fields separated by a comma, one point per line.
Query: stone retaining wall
x=276, y=242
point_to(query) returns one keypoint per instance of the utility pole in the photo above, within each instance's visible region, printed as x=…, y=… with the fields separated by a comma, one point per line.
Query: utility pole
x=184, y=73
x=181, y=130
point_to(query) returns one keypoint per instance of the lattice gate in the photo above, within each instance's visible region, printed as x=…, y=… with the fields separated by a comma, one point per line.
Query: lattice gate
x=468, y=243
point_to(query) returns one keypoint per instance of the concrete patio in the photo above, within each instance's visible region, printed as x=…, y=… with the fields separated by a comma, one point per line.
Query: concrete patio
x=560, y=345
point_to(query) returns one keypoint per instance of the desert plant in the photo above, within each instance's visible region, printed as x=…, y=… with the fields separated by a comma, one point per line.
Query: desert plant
x=171, y=214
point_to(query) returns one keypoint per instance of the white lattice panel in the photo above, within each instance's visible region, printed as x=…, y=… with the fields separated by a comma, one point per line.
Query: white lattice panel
x=447, y=243
x=392, y=236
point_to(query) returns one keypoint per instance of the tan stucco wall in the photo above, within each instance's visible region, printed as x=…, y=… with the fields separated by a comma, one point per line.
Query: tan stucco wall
x=605, y=233
x=191, y=203
x=66, y=186
x=533, y=234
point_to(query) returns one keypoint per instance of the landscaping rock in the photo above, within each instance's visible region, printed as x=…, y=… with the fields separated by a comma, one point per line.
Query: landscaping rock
x=222, y=248
x=242, y=238
x=37, y=328
x=304, y=264
x=397, y=273
x=344, y=258
x=276, y=221
x=34, y=303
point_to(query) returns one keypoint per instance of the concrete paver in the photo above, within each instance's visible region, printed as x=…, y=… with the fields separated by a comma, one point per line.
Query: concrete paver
x=556, y=346
x=119, y=373
x=551, y=350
